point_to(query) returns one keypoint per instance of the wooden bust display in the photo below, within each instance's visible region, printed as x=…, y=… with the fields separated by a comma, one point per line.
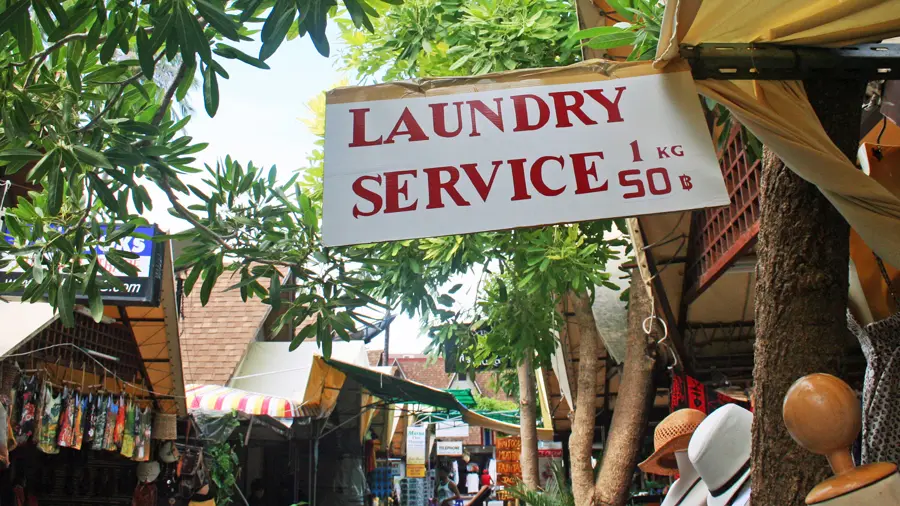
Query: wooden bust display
x=823, y=415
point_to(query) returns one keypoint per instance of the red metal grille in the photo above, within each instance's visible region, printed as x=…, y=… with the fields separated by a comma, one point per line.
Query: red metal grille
x=721, y=235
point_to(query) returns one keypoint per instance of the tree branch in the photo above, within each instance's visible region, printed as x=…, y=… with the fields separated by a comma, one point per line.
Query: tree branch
x=190, y=218
x=111, y=102
x=170, y=93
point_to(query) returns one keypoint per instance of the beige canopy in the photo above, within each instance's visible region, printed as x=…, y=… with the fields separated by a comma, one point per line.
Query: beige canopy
x=778, y=112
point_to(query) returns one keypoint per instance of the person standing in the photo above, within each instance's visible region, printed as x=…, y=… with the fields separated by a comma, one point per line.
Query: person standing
x=472, y=480
x=445, y=490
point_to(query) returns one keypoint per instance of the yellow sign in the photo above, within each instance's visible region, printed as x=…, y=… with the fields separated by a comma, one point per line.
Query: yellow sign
x=415, y=471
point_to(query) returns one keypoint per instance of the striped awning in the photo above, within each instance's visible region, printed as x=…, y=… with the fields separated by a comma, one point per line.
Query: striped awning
x=218, y=398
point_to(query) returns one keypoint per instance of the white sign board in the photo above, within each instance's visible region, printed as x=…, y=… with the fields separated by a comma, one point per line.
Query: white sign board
x=451, y=429
x=450, y=448
x=455, y=163
x=415, y=452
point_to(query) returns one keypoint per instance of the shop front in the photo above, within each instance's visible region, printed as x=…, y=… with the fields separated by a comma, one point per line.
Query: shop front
x=84, y=409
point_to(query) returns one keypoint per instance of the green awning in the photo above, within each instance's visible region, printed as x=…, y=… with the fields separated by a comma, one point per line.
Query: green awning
x=395, y=390
x=464, y=396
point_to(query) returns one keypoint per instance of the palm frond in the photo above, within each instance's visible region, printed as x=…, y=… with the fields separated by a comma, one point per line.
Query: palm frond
x=557, y=493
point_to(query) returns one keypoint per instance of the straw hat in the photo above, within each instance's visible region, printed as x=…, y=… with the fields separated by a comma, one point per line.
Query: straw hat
x=671, y=435
x=720, y=452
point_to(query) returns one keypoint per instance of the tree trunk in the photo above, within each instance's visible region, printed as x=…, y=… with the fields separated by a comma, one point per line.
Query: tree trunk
x=801, y=299
x=581, y=441
x=632, y=410
x=528, y=421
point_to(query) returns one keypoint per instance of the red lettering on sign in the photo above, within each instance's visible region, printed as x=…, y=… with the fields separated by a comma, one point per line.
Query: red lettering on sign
x=440, y=120
x=368, y=195
x=666, y=186
x=520, y=188
x=612, y=108
x=483, y=189
x=625, y=180
x=523, y=123
x=563, y=109
x=435, y=186
x=393, y=189
x=487, y=113
x=359, y=129
x=412, y=128
x=582, y=183
x=537, y=176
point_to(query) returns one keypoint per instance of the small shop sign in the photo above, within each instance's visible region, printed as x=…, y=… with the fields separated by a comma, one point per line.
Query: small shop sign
x=415, y=452
x=142, y=252
x=509, y=470
x=402, y=163
x=449, y=448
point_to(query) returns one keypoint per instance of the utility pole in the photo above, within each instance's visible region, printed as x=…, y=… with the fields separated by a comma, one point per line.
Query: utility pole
x=387, y=337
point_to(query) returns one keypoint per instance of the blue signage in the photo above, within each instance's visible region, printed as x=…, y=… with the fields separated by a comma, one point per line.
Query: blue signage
x=143, y=289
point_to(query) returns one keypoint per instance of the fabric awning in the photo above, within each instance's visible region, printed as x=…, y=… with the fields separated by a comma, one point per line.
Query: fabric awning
x=778, y=112
x=218, y=398
x=400, y=391
x=271, y=368
x=155, y=332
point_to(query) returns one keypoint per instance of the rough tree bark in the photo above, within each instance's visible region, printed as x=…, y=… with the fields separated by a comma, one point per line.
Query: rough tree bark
x=633, y=402
x=528, y=420
x=582, y=439
x=801, y=299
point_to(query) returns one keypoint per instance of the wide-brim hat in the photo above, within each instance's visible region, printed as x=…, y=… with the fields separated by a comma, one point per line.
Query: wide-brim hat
x=720, y=452
x=671, y=435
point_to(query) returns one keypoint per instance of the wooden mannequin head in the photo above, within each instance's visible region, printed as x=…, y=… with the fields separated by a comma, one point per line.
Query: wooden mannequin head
x=823, y=415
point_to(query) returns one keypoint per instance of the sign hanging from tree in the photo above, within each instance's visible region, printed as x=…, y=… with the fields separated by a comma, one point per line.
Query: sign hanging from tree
x=407, y=161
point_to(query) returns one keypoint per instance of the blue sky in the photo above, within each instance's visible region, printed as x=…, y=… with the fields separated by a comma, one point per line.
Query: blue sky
x=260, y=119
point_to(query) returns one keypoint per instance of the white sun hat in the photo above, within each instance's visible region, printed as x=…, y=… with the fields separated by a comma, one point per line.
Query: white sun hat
x=720, y=451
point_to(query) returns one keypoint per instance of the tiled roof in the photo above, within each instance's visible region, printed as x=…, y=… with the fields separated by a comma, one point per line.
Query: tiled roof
x=214, y=338
x=419, y=368
x=424, y=370
x=374, y=357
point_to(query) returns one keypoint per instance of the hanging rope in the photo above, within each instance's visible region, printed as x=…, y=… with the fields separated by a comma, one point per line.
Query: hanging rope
x=887, y=279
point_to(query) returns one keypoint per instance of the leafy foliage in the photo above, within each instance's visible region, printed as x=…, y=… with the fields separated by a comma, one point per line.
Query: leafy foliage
x=489, y=404
x=640, y=28
x=223, y=465
x=557, y=493
x=86, y=89
x=463, y=37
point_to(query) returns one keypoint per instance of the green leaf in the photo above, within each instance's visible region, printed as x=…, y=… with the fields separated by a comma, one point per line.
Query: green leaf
x=226, y=51
x=276, y=27
x=446, y=300
x=275, y=291
x=210, y=91
x=73, y=73
x=145, y=54
x=91, y=157
x=218, y=19
x=191, y=279
x=117, y=259
x=109, y=47
x=590, y=33
x=66, y=301
x=95, y=302
x=19, y=155
x=211, y=273
x=12, y=14
x=56, y=191
x=187, y=82
x=622, y=7
x=612, y=40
